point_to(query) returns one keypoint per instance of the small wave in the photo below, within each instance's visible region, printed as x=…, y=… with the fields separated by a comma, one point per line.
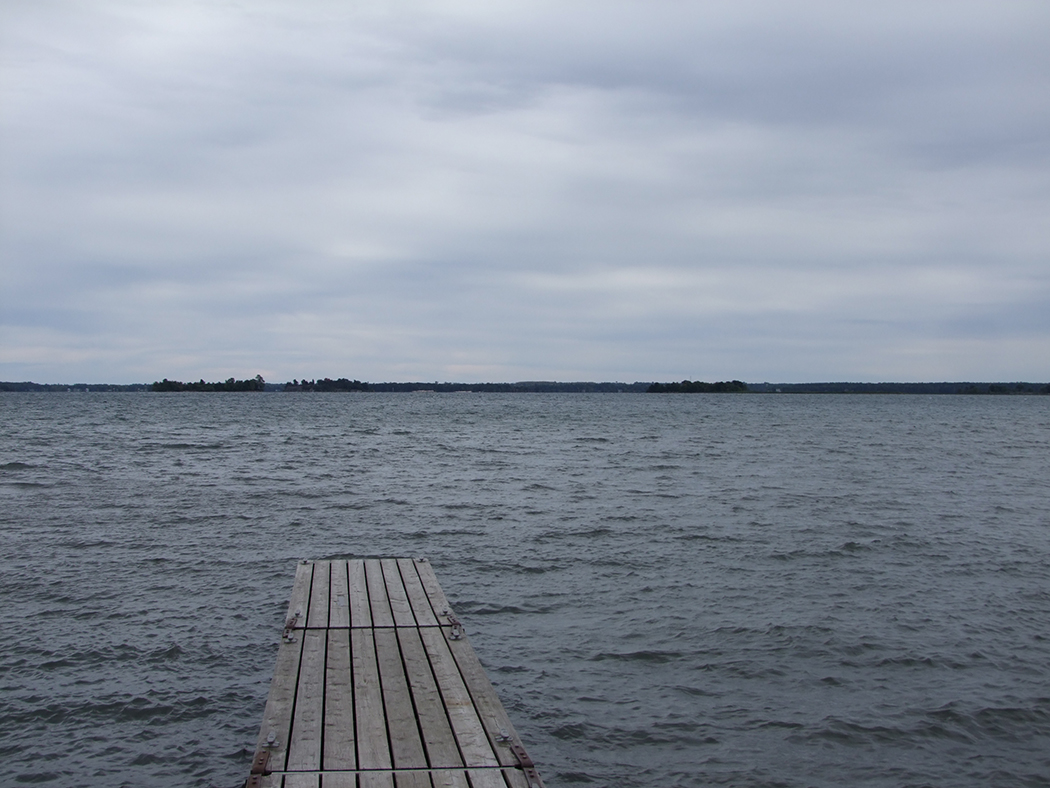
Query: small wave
x=654, y=657
x=795, y=555
x=49, y=660
x=575, y=777
x=112, y=710
x=488, y=609
x=706, y=538
x=16, y=466
x=853, y=547
x=468, y=608
x=697, y=692
x=535, y=570
x=36, y=777
x=571, y=732
x=919, y=662
x=182, y=446
x=1012, y=723
x=855, y=734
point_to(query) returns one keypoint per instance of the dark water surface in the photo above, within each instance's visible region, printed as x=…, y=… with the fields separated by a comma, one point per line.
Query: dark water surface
x=746, y=590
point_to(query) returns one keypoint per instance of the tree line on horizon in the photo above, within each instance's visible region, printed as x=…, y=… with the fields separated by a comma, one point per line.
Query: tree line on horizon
x=542, y=386
x=230, y=384
x=699, y=387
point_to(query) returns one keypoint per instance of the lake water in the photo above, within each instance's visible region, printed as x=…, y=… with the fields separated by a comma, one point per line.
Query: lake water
x=676, y=590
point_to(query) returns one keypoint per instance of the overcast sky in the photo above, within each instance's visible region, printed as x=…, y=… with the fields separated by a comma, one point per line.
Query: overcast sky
x=504, y=191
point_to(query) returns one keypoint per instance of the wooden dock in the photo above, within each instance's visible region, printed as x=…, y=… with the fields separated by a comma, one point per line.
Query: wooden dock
x=376, y=686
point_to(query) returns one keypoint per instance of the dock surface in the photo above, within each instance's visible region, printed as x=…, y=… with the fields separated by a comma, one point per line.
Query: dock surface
x=376, y=686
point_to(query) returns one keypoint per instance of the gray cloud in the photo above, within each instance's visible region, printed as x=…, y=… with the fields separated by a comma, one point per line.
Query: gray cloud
x=528, y=190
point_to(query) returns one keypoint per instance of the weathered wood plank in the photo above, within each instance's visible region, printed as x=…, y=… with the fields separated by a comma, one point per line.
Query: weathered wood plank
x=302, y=781
x=486, y=778
x=339, y=604
x=376, y=780
x=277, y=718
x=412, y=780
x=417, y=595
x=440, y=742
x=405, y=744
x=318, y=616
x=493, y=716
x=516, y=778
x=436, y=596
x=360, y=609
x=340, y=780
x=373, y=747
x=381, y=615
x=304, y=749
x=300, y=596
x=449, y=779
x=473, y=743
x=396, y=594
x=339, y=745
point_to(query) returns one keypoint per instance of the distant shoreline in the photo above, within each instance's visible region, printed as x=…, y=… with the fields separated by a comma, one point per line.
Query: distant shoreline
x=327, y=385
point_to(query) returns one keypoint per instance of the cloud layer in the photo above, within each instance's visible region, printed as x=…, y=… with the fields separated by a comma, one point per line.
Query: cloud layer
x=509, y=191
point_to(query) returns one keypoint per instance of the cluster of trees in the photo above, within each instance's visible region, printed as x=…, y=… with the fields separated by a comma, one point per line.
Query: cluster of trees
x=698, y=387
x=252, y=384
x=326, y=384
x=1002, y=388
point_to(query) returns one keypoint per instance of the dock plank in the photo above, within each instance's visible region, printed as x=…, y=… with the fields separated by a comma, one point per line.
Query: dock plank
x=493, y=716
x=304, y=749
x=376, y=780
x=412, y=780
x=516, y=779
x=299, y=599
x=340, y=750
x=318, y=615
x=360, y=609
x=277, y=718
x=449, y=779
x=486, y=778
x=438, y=601
x=373, y=747
x=470, y=734
x=396, y=594
x=405, y=744
x=377, y=596
x=440, y=742
x=339, y=603
x=417, y=595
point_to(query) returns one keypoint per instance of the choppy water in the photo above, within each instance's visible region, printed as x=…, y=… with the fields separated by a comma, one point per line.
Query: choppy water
x=667, y=590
